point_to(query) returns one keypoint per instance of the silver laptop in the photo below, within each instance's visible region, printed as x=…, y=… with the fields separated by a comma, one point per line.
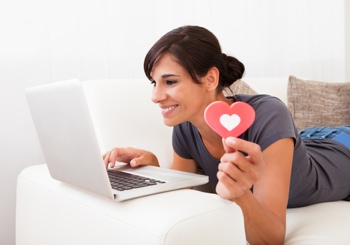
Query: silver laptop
x=70, y=146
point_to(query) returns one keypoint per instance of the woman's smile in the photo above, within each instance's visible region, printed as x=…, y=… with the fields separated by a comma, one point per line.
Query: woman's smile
x=166, y=110
x=179, y=97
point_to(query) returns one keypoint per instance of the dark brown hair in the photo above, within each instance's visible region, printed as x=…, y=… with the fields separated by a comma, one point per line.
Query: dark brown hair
x=197, y=50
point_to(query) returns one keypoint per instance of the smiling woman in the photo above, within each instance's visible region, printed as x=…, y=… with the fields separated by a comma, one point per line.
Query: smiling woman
x=189, y=72
x=176, y=94
x=104, y=39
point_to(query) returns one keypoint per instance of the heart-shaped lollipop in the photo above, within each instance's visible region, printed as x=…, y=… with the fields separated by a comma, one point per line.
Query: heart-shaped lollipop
x=229, y=120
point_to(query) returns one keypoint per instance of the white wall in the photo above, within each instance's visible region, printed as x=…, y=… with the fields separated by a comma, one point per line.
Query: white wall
x=49, y=40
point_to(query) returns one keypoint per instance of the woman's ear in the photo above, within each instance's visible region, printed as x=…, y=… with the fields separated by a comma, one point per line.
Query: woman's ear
x=211, y=80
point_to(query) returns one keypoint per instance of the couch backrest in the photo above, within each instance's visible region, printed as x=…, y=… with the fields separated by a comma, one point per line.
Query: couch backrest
x=276, y=86
x=125, y=116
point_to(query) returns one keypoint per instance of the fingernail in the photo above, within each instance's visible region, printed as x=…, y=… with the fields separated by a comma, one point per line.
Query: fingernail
x=231, y=140
x=133, y=163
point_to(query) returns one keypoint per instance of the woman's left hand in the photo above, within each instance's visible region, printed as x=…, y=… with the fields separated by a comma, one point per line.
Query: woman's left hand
x=237, y=171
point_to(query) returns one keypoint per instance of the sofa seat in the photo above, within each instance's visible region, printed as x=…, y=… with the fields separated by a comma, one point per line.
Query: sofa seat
x=51, y=212
x=323, y=223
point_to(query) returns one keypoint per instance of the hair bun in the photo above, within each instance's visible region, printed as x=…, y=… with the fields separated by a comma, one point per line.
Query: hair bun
x=231, y=70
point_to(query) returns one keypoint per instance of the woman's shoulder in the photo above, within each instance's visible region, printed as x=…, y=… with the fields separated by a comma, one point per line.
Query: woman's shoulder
x=257, y=98
x=273, y=120
x=262, y=101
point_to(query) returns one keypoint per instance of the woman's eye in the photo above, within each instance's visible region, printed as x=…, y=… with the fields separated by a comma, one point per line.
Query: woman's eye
x=170, y=82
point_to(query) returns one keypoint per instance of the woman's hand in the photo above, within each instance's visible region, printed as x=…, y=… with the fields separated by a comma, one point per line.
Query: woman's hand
x=267, y=170
x=238, y=172
x=132, y=156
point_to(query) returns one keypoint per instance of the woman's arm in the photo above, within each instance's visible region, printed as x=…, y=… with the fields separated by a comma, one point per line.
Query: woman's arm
x=268, y=172
x=183, y=164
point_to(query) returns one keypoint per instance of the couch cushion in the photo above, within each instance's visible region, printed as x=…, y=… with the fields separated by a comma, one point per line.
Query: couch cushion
x=315, y=103
x=240, y=87
x=323, y=223
x=51, y=212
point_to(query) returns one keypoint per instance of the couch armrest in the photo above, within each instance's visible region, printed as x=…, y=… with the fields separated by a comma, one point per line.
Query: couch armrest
x=51, y=212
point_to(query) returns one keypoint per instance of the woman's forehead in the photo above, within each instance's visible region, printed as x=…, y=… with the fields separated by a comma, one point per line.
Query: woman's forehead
x=166, y=66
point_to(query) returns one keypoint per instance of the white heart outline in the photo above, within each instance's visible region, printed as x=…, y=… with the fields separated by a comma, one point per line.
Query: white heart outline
x=230, y=122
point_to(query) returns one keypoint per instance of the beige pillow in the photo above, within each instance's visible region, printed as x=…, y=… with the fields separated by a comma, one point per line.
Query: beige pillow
x=240, y=87
x=315, y=103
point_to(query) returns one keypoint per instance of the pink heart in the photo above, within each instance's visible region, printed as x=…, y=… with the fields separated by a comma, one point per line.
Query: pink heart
x=229, y=120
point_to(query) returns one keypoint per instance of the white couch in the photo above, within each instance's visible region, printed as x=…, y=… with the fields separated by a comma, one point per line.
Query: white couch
x=50, y=212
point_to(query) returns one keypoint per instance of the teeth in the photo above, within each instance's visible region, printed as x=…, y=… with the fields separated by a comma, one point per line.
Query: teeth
x=168, y=109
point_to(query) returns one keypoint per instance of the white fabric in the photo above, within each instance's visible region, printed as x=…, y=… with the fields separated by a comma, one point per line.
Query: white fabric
x=324, y=223
x=50, y=212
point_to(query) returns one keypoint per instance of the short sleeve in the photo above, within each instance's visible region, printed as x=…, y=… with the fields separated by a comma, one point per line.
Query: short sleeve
x=273, y=120
x=180, y=140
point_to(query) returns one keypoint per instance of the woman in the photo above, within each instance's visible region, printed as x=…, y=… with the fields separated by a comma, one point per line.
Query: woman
x=267, y=168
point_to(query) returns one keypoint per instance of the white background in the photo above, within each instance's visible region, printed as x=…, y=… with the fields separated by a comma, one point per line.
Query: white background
x=43, y=41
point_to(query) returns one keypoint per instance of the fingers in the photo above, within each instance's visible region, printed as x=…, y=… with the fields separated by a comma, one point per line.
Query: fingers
x=105, y=157
x=239, y=167
x=146, y=158
x=245, y=178
x=232, y=182
x=132, y=156
x=227, y=187
x=233, y=162
x=251, y=149
x=136, y=162
x=227, y=148
x=115, y=155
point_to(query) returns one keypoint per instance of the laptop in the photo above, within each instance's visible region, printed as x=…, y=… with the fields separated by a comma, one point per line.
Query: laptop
x=72, y=153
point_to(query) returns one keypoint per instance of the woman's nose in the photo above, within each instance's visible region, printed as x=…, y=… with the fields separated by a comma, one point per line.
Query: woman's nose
x=158, y=94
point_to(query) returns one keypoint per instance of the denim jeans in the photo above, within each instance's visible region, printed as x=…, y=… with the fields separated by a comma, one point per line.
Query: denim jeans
x=323, y=132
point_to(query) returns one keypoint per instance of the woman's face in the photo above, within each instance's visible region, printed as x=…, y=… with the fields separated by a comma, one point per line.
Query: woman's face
x=178, y=96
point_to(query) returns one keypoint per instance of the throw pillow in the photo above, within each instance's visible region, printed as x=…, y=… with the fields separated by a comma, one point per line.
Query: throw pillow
x=316, y=103
x=240, y=87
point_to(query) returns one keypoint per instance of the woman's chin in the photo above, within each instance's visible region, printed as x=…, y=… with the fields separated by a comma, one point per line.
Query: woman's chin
x=170, y=123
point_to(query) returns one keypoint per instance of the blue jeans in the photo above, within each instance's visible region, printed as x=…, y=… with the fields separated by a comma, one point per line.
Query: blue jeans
x=343, y=133
x=323, y=132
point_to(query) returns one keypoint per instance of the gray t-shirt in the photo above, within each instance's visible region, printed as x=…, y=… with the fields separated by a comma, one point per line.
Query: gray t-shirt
x=321, y=168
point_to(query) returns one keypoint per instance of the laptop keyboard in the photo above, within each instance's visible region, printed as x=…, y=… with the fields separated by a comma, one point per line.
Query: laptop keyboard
x=122, y=181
